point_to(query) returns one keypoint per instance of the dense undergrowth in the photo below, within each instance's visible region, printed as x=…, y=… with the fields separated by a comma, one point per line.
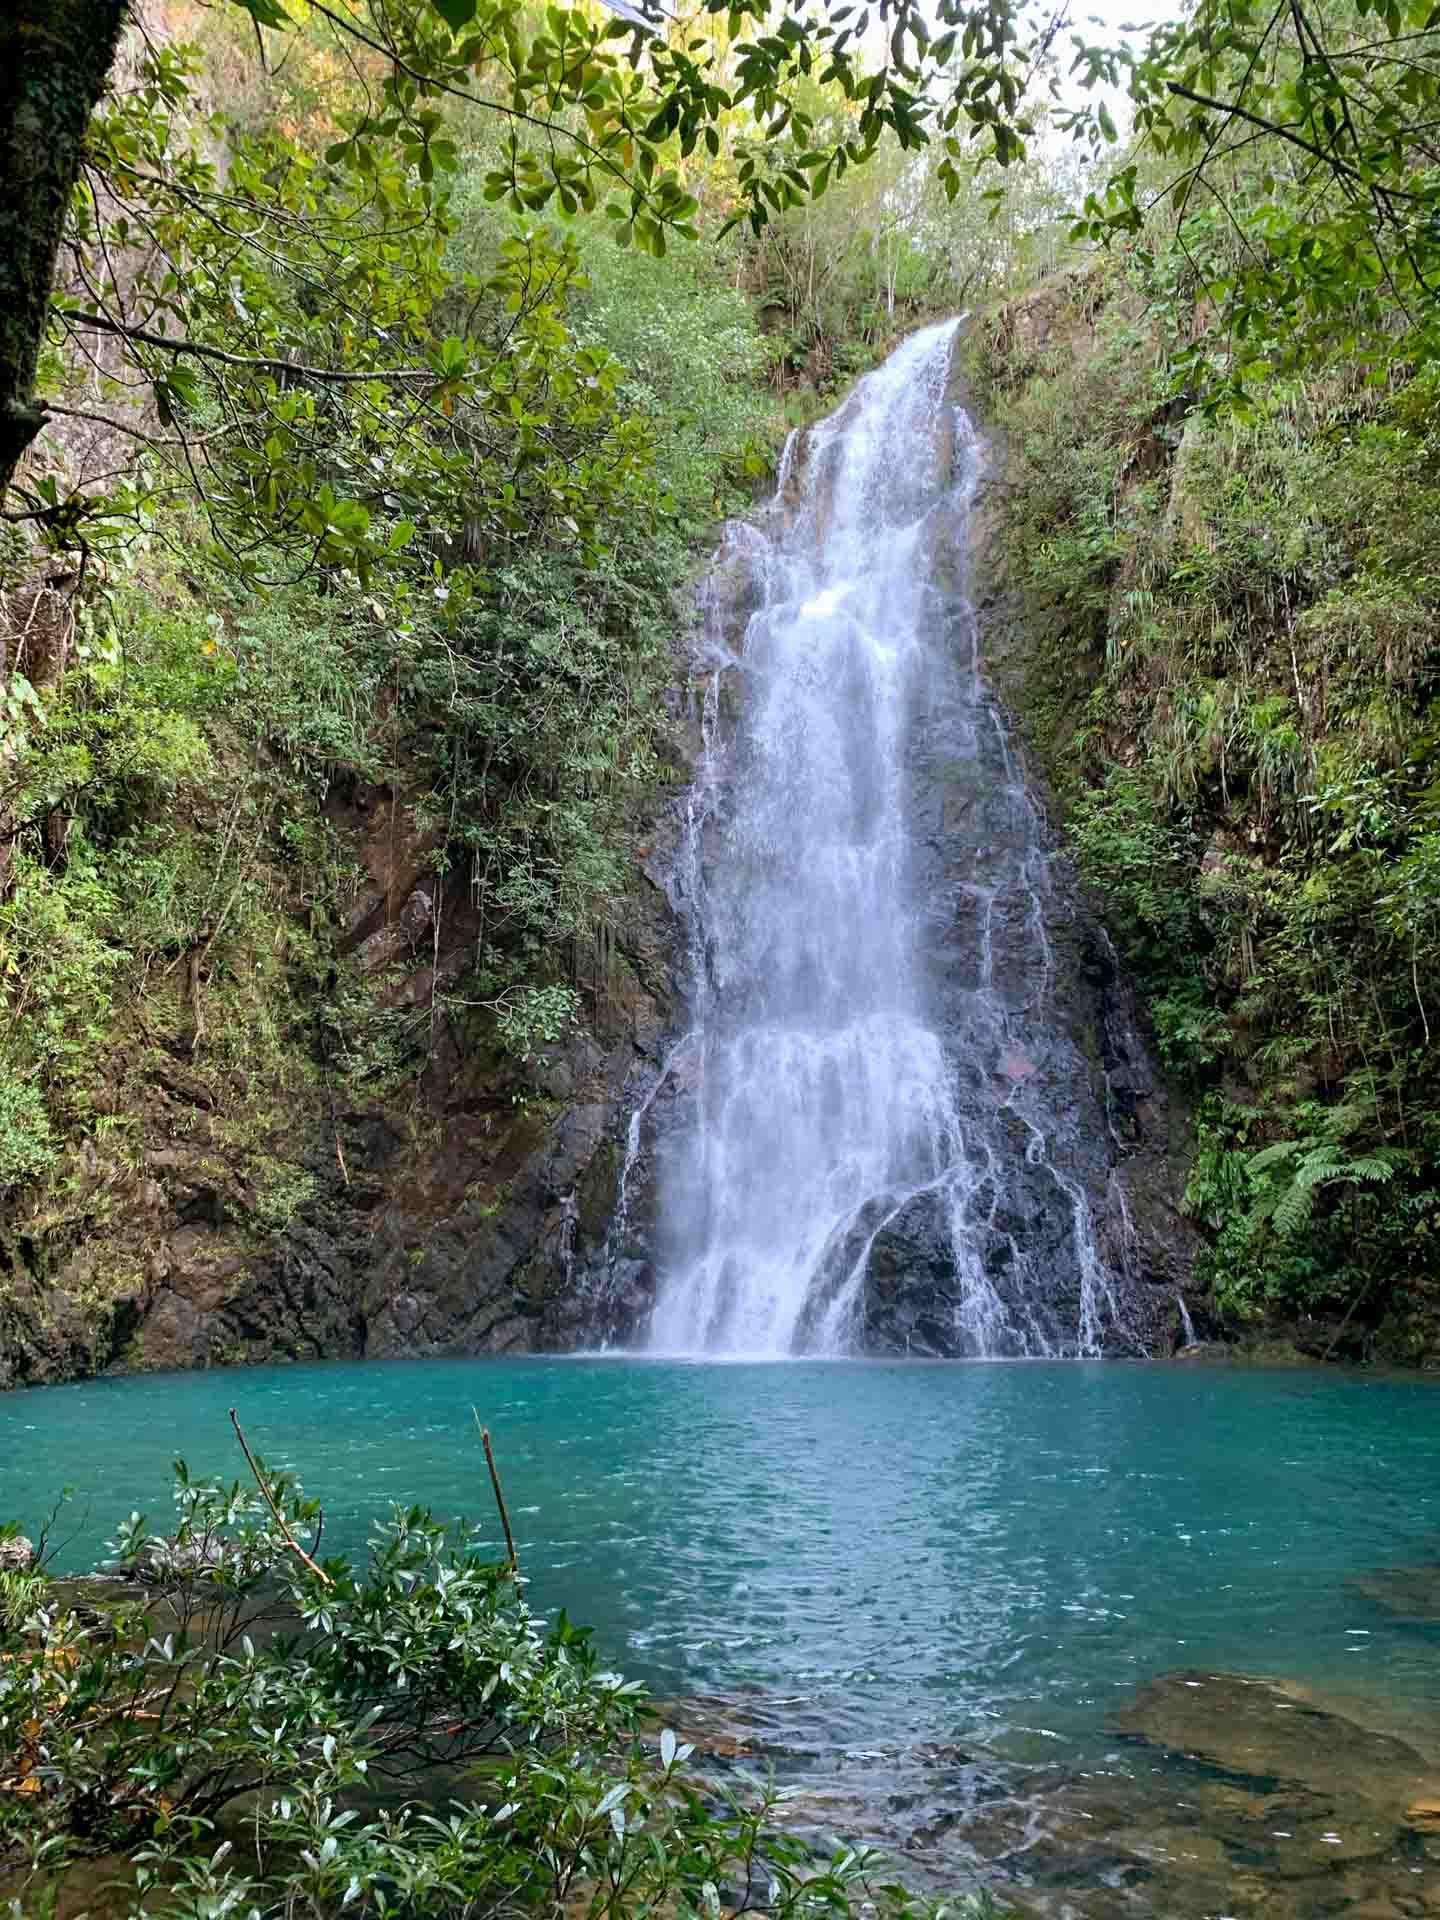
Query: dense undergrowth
x=1221, y=632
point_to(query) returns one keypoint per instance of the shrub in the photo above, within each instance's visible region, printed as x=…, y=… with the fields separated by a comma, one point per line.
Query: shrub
x=260, y=1733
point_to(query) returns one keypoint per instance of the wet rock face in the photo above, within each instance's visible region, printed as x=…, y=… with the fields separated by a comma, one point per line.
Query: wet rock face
x=910, y=1291
x=1052, y=1067
x=462, y=1224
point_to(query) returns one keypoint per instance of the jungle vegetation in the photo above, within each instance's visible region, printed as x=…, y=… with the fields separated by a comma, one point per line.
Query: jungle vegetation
x=374, y=376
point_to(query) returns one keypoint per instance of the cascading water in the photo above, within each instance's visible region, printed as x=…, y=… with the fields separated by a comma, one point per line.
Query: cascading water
x=884, y=1124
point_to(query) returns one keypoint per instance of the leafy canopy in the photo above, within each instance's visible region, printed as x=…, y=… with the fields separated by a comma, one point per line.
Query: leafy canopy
x=1282, y=185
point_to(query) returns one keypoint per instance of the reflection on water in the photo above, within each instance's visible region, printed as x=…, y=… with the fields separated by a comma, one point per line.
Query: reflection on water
x=932, y=1595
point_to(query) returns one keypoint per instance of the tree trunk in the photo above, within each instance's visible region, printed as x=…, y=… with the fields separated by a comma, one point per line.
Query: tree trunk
x=54, y=56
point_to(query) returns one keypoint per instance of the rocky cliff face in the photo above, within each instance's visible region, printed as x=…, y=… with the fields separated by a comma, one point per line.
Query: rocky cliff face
x=1138, y=1159
x=453, y=1217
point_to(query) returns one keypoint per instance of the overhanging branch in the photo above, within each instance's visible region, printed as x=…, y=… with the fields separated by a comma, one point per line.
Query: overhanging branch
x=142, y=336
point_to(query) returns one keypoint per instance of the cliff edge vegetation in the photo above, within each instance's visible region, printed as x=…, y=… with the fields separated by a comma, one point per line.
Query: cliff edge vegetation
x=1219, y=631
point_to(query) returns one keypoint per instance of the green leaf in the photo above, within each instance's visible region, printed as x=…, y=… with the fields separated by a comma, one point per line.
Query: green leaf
x=265, y=13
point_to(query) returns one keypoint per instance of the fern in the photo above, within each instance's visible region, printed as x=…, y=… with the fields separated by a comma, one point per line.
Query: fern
x=1372, y=1166
x=1312, y=1163
x=1319, y=1166
x=1293, y=1209
x=1272, y=1156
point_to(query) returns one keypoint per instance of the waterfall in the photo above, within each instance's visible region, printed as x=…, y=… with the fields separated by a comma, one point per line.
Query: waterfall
x=886, y=1122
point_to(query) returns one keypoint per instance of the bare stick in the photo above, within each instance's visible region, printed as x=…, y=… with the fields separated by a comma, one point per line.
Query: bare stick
x=499, y=1496
x=1335, y=1337
x=293, y=1543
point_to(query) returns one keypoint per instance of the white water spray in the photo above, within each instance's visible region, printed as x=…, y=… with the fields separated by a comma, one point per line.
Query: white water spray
x=834, y=1103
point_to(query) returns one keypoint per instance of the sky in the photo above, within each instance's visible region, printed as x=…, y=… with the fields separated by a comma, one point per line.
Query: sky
x=1110, y=23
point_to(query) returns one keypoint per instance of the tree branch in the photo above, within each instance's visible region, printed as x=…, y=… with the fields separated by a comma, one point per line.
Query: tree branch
x=263, y=1484
x=335, y=377
x=1331, y=160
x=134, y=433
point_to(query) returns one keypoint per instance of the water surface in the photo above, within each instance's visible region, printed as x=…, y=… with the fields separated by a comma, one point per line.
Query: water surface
x=887, y=1569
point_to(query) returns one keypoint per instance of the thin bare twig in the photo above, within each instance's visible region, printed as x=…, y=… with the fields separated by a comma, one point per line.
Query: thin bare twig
x=260, y=1481
x=499, y=1495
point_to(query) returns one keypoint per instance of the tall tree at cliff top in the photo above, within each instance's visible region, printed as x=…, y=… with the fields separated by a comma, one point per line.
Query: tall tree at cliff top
x=1287, y=154
x=244, y=301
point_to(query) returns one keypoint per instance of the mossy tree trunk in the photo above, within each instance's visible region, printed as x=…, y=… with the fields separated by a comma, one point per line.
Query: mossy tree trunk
x=54, y=56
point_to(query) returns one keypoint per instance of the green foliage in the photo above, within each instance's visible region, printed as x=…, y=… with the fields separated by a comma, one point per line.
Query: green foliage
x=535, y=1017
x=302, y=293
x=257, y=1732
x=540, y=699
x=1139, y=859
x=21, y=1595
x=1228, y=662
x=1317, y=1160
x=27, y=1140
x=1281, y=169
x=415, y=463
x=473, y=634
x=910, y=236
x=693, y=357
x=1296, y=1224
x=174, y=933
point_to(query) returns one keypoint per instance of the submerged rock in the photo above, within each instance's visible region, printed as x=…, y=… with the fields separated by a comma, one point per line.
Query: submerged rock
x=1409, y=1593
x=1263, y=1730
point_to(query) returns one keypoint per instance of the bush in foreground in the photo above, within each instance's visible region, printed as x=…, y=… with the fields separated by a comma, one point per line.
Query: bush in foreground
x=240, y=1728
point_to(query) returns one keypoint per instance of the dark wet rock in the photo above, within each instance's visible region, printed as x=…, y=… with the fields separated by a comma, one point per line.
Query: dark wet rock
x=1083, y=1194
x=911, y=1294
x=712, y=1726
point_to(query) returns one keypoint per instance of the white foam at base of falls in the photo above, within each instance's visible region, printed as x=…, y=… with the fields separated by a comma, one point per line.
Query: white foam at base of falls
x=828, y=1099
